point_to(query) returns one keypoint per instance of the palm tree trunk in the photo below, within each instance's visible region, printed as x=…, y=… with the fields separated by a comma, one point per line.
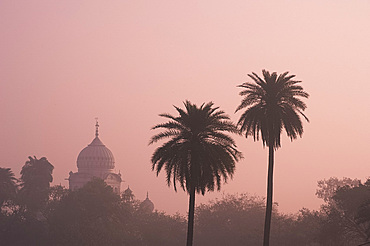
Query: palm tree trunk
x=189, y=241
x=266, y=233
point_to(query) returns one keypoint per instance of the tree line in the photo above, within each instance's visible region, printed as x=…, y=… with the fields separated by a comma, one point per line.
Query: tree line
x=199, y=156
x=35, y=213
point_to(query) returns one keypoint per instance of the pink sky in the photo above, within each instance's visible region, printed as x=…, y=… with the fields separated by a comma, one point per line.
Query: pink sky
x=63, y=63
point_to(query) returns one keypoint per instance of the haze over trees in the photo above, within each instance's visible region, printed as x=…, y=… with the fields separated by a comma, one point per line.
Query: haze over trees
x=95, y=215
x=198, y=155
x=92, y=215
x=271, y=104
x=347, y=210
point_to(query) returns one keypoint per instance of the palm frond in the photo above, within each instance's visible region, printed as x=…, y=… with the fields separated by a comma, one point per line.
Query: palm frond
x=271, y=104
x=192, y=156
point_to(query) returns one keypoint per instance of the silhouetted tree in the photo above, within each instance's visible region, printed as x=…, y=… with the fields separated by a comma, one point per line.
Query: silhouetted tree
x=237, y=220
x=160, y=229
x=36, y=176
x=8, y=186
x=328, y=187
x=232, y=220
x=26, y=222
x=57, y=194
x=198, y=154
x=347, y=212
x=272, y=103
x=301, y=228
x=92, y=215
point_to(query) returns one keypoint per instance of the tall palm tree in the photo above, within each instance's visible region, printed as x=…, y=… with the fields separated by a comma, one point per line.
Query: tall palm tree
x=198, y=154
x=8, y=186
x=271, y=104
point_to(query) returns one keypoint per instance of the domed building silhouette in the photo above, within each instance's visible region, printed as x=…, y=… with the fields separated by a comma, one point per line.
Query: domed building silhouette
x=96, y=160
x=147, y=205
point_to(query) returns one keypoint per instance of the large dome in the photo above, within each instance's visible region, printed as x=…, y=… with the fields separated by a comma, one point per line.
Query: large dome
x=95, y=156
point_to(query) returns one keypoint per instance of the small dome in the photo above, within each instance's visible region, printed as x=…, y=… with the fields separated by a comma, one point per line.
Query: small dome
x=96, y=155
x=147, y=205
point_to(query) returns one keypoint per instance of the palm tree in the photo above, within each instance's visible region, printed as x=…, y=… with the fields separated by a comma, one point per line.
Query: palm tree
x=271, y=104
x=198, y=154
x=8, y=186
x=36, y=176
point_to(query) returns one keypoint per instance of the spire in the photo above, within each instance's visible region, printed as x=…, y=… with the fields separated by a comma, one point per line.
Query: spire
x=97, y=127
x=147, y=195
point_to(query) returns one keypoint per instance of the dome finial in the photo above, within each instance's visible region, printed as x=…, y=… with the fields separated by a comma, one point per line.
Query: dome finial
x=97, y=127
x=147, y=195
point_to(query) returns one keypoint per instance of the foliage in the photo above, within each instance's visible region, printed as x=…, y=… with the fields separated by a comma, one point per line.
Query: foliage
x=232, y=220
x=198, y=154
x=296, y=229
x=36, y=176
x=92, y=215
x=328, y=187
x=346, y=222
x=8, y=186
x=159, y=229
x=24, y=223
x=15, y=230
x=95, y=215
x=238, y=220
x=271, y=104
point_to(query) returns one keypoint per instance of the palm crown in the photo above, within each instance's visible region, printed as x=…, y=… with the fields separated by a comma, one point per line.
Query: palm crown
x=198, y=154
x=36, y=176
x=272, y=104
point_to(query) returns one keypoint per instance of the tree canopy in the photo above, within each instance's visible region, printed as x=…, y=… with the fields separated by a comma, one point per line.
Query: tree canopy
x=271, y=104
x=199, y=155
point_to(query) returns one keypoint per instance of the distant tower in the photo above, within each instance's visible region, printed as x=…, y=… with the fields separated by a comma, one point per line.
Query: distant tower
x=95, y=160
x=128, y=195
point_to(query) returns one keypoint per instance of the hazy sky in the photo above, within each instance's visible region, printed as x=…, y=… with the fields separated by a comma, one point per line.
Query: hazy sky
x=63, y=63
